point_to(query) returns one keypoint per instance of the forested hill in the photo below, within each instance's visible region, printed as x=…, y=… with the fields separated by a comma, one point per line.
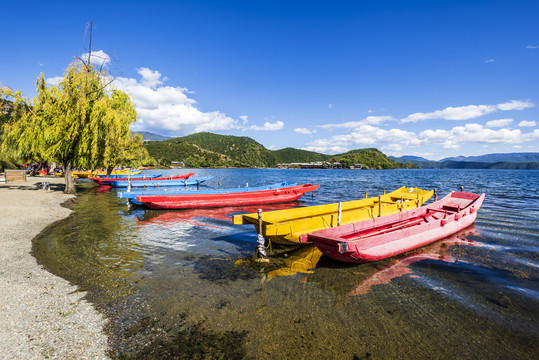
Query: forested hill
x=243, y=150
x=291, y=155
x=213, y=150
x=369, y=158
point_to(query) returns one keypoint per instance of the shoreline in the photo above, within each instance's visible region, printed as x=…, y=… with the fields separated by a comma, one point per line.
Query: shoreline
x=41, y=314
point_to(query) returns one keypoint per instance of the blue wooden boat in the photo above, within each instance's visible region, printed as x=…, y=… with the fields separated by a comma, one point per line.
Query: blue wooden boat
x=132, y=175
x=178, y=180
x=132, y=195
x=103, y=180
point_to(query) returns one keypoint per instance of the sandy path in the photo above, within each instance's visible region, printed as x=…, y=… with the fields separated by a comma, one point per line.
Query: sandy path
x=41, y=315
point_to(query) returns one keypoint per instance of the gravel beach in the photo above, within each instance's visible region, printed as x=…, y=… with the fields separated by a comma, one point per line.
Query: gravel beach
x=42, y=316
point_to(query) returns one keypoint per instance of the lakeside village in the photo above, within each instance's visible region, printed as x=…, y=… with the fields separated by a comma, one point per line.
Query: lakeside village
x=309, y=165
x=50, y=169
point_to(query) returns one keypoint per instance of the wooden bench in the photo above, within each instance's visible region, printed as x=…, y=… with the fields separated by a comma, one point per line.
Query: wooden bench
x=15, y=175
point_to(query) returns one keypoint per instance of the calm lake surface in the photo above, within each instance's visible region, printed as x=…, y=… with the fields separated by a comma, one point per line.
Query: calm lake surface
x=184, y=282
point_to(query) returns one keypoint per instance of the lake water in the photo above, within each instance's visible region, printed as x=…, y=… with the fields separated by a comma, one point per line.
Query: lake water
x=184, y=282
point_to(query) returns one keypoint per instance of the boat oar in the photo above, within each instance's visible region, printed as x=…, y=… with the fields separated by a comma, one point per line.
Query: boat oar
x=260, y=249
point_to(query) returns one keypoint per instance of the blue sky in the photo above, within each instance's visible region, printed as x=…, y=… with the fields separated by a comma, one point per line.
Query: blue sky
x=425, y=78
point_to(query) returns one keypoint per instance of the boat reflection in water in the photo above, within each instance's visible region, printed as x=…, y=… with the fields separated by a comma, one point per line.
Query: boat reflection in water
x=170, y=218
x=437, y=251
x=360, y=278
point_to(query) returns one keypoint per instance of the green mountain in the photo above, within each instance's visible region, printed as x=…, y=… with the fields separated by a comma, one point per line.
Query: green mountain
x=213, y=150
x=291, y=155
x=165, y=152
x=243, y=150
x=370, y=158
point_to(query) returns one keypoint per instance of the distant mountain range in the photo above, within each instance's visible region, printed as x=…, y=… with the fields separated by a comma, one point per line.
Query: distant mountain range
x=492, y=158
x=487, y=161
x=213, y=150
x=148, y=136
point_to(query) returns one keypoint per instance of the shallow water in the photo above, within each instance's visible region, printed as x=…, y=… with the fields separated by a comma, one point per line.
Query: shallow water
x=185, y=283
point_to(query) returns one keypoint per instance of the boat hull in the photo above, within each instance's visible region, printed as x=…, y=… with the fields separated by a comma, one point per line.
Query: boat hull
x=154, y=182
x=380, y=238
x=291, y=226
x=226, y=199
x=103, y=180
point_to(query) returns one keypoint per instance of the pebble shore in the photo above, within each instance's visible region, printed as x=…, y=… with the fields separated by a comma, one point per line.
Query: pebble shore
x=42, y=316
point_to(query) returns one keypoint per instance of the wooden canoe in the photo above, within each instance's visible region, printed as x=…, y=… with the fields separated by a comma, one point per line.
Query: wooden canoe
x=87, y=173
x=291, y=226
x=220, y=199
x=154, y=182
x=102, y=180
x=383, y=237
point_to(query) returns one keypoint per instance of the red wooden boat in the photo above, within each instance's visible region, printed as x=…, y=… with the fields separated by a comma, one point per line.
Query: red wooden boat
x=383, y=237
x=231, y=198
x=105, y=181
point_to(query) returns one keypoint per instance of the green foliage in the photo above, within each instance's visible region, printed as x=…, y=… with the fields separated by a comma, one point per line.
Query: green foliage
x=79, y=123
x=291, y=155
x=370, y=158
x=165, y=152
x=213, y=150
x=243, y=150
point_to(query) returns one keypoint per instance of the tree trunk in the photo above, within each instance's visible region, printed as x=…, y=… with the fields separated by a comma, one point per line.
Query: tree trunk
x=70, y=184
x=109, y=170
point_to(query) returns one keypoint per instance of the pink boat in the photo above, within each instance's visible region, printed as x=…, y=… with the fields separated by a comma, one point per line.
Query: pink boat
x=383, y=237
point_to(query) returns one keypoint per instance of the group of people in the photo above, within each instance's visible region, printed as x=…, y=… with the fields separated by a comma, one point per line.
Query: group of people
x=43, y=168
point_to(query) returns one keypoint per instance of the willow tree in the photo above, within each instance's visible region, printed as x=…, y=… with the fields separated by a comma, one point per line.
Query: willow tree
x=81, y=122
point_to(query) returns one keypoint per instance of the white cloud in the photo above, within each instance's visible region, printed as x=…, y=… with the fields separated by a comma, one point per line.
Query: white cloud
x=474, y=133
x=168, y=108
x=498, y=123
x=98, y=58
x=532, y=47
x=330, y=106
x=515, y=105
x=304, y=131
x=393, y=148
x=326, y=148
x=244, y=118
x=489, y=60
x=363, y=136
x=369, y=120
x=278, y=125
x=395, y=140
x=54, y=80
x=468, y=112
x=150, y=78
x=525, y=123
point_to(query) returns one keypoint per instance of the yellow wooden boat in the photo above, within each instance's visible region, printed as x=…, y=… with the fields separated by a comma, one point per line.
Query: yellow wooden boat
x=291, y=226
x=86, y=173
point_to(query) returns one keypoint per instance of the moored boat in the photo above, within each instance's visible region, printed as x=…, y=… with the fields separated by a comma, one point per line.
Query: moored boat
x=87, y=173
x=132, y=195
x=387, y=236
x=154, y=177
x=154, y=182
x=229, y=197
x=292, y=225
x=103, y=179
